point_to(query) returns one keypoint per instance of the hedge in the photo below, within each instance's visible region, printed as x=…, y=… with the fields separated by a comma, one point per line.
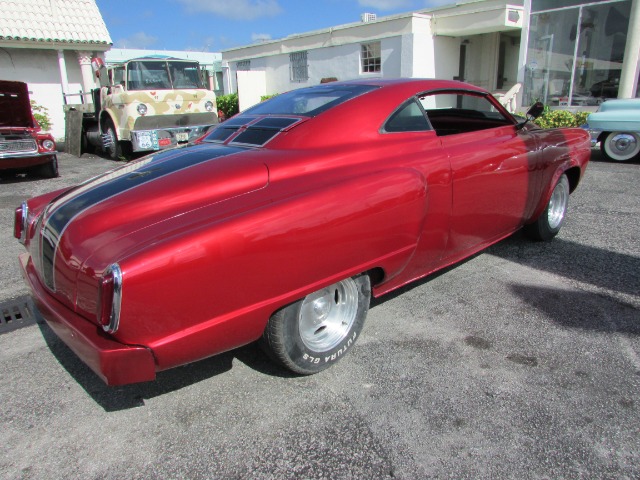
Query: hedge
x=561, y=118
x=228, y=104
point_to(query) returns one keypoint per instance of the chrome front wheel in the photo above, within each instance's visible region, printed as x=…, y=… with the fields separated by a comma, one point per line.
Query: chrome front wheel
x=558, y=203
x=548, y=224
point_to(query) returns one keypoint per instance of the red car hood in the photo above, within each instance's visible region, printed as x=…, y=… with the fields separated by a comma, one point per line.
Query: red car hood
x=95, y=224
x=15, y=108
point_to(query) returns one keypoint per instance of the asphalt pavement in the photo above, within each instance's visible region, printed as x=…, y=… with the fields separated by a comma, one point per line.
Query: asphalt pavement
x=522, y=362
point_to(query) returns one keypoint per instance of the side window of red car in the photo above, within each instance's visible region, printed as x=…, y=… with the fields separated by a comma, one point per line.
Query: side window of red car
x=451, y=113
x=408, y=118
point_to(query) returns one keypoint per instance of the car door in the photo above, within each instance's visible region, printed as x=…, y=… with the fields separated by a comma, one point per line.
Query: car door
x=494, y=176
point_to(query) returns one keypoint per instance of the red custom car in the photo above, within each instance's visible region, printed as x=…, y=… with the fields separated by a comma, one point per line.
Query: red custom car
x=282, y=222
x=22, y=145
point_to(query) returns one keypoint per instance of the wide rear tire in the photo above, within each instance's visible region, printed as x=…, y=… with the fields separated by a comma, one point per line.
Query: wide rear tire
x=318, y=330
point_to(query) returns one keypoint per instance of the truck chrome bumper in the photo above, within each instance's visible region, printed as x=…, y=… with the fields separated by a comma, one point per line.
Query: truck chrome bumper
x=152, y=140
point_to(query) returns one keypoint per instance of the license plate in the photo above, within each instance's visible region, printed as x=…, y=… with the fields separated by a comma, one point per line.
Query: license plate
x=148, y=140
x=182, y=137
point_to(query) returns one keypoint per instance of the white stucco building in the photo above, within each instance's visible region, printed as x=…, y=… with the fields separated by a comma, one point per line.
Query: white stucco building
x=566, y=53
x=49, y=45
x=476, y=41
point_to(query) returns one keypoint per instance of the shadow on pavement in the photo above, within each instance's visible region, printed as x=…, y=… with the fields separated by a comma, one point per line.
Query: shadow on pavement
x=131, y=396
x=596, y=266
x=581, y=310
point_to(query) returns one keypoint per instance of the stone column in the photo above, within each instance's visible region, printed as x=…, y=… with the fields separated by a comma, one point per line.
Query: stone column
x=62, y=66
x=84, y=59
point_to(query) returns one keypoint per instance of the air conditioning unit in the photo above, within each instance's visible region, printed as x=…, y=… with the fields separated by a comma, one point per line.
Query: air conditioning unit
x=368, y=17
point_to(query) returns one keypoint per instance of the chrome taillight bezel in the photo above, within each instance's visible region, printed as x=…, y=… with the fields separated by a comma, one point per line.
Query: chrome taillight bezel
x=110, y=299
x=21, y=222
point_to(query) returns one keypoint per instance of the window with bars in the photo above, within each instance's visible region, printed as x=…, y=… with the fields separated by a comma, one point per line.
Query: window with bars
x=371, y=59
x=243, y=65
x=298, y=67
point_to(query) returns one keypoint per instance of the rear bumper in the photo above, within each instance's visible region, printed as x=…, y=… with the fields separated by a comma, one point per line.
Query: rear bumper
x=114, y=362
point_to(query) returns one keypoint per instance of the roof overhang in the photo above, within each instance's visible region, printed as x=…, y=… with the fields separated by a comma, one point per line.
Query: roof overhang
x=463, y=23
x=6, y=42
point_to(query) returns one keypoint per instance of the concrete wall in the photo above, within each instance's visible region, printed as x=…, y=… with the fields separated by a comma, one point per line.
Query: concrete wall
x=336, y=53
x=39, y=69
x=447, y=57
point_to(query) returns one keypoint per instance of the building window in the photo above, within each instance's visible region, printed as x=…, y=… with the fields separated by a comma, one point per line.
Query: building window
x=243, y=66
x=371, y=58
x=575, y=54
x=298, y=67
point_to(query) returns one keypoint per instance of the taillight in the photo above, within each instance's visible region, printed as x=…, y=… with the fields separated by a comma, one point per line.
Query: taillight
x=20, y=222
x=109, y=298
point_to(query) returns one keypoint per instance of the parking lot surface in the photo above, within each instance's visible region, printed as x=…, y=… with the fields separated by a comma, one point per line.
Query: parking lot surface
x=522, y=362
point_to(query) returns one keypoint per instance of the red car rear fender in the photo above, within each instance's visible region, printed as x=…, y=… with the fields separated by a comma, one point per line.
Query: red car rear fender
x=226, y=279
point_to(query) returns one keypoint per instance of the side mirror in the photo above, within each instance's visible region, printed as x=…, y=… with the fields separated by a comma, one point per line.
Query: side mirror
x=534, y=112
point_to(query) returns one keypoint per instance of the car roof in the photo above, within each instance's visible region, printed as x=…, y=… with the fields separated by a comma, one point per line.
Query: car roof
x=423, y=84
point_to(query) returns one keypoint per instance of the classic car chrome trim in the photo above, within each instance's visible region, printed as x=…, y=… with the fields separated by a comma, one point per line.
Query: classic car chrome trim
x=116, y=301
x=25, y=222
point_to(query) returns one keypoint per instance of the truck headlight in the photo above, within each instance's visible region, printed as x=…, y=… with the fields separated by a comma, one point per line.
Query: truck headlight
x=209, y=106
x=142, y=109
x=48, y=145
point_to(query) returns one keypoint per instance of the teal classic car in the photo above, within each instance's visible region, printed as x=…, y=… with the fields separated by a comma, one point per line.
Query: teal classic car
x=616, y=125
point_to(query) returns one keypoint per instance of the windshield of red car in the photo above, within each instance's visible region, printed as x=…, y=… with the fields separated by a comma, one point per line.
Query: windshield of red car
x=309, y=101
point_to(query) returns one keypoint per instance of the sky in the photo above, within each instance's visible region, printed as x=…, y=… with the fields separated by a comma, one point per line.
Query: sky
x=216, y=25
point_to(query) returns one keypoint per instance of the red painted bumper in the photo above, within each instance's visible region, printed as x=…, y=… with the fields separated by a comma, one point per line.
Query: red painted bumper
x=114, y=362
x=17, y=161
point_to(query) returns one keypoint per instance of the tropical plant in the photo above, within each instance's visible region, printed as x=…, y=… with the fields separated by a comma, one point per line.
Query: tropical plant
x=561, y=118
x=228, y=104
x=41, y=114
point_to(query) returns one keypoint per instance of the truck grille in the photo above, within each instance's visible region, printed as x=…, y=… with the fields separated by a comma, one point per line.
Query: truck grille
x=18, y=146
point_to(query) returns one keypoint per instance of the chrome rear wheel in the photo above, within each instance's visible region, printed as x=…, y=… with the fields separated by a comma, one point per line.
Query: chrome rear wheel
x=318, y=330
x=326, y=316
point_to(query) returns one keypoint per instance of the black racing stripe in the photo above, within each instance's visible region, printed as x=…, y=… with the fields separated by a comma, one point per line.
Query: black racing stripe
x=148, y=172
x=111, y=184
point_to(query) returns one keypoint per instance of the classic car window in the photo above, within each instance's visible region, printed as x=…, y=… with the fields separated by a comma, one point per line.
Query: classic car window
x=408, y=118
x=220, y=134
x=257, y=133
x=460, y=112
x=310, y=101
x=223, y=131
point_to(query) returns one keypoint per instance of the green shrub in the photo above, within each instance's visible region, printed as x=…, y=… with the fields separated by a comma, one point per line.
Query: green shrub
x=561, y=118
x=41, y=114
x=228, y=104
x=267, y=97
x=581, y=118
